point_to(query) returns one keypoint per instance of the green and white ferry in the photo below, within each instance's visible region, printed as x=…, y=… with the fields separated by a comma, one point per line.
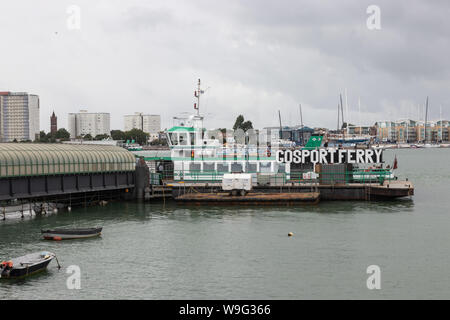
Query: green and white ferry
x=199, y=155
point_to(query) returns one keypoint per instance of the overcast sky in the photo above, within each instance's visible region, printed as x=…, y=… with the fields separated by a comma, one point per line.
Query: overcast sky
x=255, y=58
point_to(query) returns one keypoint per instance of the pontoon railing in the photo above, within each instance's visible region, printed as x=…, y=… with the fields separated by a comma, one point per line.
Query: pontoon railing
x=346, y=177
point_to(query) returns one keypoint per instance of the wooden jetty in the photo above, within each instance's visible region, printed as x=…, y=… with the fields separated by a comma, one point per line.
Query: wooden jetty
x=253, y=198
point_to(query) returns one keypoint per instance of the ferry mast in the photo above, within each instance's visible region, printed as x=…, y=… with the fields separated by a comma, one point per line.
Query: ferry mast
x=197, y=94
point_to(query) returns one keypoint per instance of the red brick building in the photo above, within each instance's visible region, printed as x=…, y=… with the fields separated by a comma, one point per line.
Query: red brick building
x=53, y=123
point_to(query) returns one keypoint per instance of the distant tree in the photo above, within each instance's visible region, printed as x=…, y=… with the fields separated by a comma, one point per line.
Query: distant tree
x=223, y=130
x=117, y=135
x=101, y=137
x=42, y=137
x=87, y=137
x=51, y=137
x=62, y=134
x=240, y=123
x=137, y=135
x=247, y=125
x=159, y=142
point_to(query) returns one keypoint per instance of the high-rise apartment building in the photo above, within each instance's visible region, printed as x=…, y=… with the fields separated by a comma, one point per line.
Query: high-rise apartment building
x=19, y=116
x=83, y=123
x=149, y=123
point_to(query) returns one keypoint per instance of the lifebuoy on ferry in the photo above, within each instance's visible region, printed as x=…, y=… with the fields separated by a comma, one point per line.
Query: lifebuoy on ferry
x=192, y=154
x=269, y=153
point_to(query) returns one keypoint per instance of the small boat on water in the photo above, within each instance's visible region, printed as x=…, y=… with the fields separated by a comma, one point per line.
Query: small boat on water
x=26, y=265
x=66, y=234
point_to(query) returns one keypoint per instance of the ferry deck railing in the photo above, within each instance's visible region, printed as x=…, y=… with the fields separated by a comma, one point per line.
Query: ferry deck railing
x=359, y=176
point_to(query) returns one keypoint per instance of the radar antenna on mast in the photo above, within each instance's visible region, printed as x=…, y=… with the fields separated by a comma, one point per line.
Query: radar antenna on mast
x=197, y=94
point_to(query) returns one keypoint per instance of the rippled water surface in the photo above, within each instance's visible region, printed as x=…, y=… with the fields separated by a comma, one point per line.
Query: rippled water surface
x=156, y=251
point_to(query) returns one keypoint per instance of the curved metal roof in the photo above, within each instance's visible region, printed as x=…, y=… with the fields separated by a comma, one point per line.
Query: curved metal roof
x=29, y=159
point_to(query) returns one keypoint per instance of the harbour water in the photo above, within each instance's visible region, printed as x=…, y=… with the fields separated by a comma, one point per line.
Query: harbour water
x=164, y=251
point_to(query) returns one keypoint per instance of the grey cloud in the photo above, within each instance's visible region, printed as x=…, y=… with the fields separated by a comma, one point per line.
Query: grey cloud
x=257, y=57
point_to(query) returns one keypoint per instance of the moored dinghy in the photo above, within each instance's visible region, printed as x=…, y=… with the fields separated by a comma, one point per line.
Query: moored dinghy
x=26, y=265
x=76, y=233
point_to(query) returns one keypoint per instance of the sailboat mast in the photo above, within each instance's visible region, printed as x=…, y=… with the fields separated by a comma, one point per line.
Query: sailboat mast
x=346, y=107
x=359, y=110
x=440, y=119
x=301, y=122
x=418, y=122
x=281, y=128
x=342, y=111
x=301, y=116
x=426, y=119
x=339, y=111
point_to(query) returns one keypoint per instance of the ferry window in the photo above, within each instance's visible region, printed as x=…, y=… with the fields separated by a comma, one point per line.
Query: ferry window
x=282, y=168
x=264, y=167
x=187, y=153
x=236, y=167
x=194, y=167
x=222, y=167
x=173, y=138
x=208, y=166
x=183, y=139
x=251, y=167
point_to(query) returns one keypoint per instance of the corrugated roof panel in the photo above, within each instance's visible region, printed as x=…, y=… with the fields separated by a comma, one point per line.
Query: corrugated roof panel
x=25, y=159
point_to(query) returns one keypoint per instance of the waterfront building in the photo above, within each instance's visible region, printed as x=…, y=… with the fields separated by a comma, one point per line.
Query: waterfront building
x=297, y=134
x=83, y=123
x=386, y=131
x=320, y=131
x=149, y=123
x=359, y=130
x=420, y=132
x=410, y=131
x=441, y=132
x=405, y=130
x=53, y=123
x=19, y=116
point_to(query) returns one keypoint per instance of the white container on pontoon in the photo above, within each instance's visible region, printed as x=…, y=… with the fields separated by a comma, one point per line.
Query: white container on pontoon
x=237, y=181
